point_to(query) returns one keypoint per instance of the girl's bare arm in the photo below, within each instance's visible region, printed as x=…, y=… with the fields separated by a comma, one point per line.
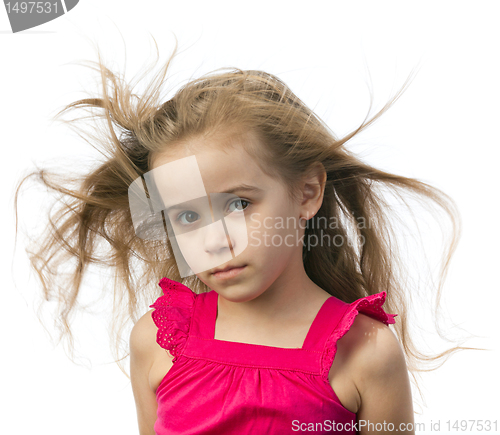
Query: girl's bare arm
x=142, y=354
x=381, y=378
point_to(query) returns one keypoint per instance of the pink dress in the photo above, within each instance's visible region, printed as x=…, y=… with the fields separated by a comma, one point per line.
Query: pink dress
x=224, y=387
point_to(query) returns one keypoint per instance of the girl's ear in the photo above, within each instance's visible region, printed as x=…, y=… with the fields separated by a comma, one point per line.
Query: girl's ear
x=313, y=189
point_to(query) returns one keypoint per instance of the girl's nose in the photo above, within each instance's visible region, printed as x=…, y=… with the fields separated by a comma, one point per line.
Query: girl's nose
x=216, y=239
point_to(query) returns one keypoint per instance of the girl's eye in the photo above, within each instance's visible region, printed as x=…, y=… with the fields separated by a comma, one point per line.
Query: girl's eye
x=239, y=204
x=188, y=217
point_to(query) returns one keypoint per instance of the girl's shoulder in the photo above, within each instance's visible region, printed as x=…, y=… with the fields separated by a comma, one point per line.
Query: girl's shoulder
x=370, y=340
x=172, y=313
x=368, y=358
x=364, y=335
x=145, y=354
x=142, y=331
x=148, y=361
x=361, y=317
x=166, y=324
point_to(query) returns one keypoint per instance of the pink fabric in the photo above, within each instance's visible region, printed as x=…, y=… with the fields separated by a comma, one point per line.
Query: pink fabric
x=222, y=387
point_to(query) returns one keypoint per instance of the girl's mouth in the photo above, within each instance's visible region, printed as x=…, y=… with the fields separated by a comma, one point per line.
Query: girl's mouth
x=230, y=273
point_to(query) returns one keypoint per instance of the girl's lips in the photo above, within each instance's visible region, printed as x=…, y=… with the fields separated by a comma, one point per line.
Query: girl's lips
x=229, y=273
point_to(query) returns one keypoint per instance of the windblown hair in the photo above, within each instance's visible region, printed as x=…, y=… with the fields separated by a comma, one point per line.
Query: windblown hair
x=93, y=224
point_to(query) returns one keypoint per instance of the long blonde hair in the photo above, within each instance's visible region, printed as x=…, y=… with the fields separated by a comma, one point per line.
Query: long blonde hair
x=93, y=225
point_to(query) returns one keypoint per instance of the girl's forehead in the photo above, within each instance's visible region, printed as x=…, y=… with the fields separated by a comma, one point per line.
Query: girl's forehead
x=187, y=172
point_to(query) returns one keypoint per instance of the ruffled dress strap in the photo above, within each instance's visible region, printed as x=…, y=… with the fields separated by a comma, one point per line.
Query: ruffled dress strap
x=172, y=315
x=371, y=306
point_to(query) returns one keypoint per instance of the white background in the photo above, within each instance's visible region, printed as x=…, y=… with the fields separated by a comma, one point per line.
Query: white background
x=443, y=131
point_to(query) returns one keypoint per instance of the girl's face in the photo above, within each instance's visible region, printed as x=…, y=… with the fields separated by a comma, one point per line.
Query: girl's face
x=244, y=221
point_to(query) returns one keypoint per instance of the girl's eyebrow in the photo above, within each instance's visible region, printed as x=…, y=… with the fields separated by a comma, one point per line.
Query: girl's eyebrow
x=239, y=188
x=243, y=188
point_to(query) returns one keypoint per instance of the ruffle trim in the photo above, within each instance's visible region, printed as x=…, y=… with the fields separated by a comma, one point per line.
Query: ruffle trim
x=370, y=305
x=172, y=315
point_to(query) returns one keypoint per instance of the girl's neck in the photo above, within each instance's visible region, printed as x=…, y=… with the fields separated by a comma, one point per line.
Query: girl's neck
x=290, y=299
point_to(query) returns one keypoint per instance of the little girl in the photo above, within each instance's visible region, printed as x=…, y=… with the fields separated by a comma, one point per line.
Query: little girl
x=273, y=252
